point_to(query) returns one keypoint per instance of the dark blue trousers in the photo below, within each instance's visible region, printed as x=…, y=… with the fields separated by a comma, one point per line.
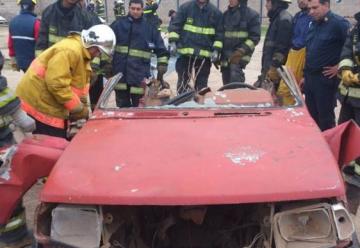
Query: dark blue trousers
x=320, y=98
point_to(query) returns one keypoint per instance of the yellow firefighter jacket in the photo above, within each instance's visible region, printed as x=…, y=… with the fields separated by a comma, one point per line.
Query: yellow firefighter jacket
x=56, y=81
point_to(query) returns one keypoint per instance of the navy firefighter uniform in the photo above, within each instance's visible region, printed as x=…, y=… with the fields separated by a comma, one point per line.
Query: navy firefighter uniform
x=135, y=41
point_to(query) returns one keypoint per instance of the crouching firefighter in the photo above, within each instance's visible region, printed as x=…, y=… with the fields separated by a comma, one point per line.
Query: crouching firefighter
x=241, y=34
x=349, y=89
x=135, y=41
x=54, y=90
x=14, y=233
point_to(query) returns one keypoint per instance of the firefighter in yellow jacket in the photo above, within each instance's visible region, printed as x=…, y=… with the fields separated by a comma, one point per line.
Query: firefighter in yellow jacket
x=55, y=87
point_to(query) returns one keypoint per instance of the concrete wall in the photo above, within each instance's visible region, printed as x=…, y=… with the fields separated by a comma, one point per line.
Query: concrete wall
x=348, y=8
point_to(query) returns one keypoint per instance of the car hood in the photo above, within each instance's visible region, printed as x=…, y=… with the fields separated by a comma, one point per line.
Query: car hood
x=247, y=158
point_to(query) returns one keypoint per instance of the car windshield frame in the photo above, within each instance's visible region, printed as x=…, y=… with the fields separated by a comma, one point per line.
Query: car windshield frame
x=286, y=75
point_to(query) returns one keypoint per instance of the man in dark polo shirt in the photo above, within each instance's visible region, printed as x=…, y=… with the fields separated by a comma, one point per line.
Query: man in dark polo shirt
x=324, y=42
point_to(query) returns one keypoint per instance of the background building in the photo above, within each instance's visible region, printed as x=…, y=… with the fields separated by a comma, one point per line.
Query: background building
x=347, y=8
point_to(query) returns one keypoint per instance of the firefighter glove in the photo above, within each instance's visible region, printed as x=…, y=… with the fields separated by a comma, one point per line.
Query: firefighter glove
x=13, y=64
x=273, y=75
x=172, y=49
x=236, y=57
x=215, y=57
x=83, y=114
x=349, y=78
x=22, y=120
x=162, y=69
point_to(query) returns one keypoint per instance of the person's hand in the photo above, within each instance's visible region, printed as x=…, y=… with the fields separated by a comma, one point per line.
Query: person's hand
x=13, y=64
x=161, y=70
x=236, y=57
x=83, y=114
x=272, y=74
x=302, y=84
x=172, y=49
x=349, y=78
x=330, y=71
x=215, y=56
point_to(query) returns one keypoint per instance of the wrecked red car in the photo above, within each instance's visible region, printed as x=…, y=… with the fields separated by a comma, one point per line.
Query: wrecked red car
x=224, y=168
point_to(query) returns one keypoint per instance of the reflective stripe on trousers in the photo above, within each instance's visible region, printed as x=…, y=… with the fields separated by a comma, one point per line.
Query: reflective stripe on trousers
x=133, y=89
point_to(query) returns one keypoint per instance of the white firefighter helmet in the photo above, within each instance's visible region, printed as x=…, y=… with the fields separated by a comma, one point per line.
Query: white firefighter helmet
x=119, y=1
x=101, y=36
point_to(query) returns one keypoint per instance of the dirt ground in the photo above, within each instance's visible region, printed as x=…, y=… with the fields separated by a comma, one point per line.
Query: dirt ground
x=251, y=72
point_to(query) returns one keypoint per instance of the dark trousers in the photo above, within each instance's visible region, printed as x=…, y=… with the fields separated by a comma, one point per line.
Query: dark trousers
x=320, y=98
x=124, y=99
x=349, y=112
x=42, y=128
x=95, y=91
x=184, y=68
x=232, y=74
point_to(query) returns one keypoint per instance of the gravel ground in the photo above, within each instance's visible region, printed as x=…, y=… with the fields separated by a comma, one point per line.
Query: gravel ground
x=31, y=198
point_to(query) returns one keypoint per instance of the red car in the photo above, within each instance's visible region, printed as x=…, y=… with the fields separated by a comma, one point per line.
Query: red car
x=224, y=168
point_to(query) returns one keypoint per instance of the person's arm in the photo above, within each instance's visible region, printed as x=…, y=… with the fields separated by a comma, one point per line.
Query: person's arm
x=12, y=54
x=11, y=46
x=282, y=41
x=343, y=31
x=254, y=34
x=219, y=32
x=43, y=36
x=160, y=49
x=177, y=25
x=37, y=29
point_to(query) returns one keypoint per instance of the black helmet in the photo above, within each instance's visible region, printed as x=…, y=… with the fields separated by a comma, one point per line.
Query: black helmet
x=171, y=12
x=27, y=4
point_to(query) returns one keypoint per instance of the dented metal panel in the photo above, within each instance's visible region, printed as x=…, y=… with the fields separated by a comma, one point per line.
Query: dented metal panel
x=32, y=159
x=196, y=157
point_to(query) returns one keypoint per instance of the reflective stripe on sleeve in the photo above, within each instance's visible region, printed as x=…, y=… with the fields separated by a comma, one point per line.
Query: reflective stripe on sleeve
x=137, y=90
x=346, y=63
x=218, y=44
x=46, y=119
x=174, y=35
x=74, y=105
x=163, y=60
x=250, y=44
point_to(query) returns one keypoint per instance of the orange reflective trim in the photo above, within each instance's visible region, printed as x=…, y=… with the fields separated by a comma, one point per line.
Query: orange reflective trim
x=46, y=119
x=81, y=92
x=73, y=103
x=38, y=68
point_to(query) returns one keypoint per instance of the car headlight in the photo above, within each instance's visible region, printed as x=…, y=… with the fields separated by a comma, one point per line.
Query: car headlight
x=321, y=225
x=78, y=226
